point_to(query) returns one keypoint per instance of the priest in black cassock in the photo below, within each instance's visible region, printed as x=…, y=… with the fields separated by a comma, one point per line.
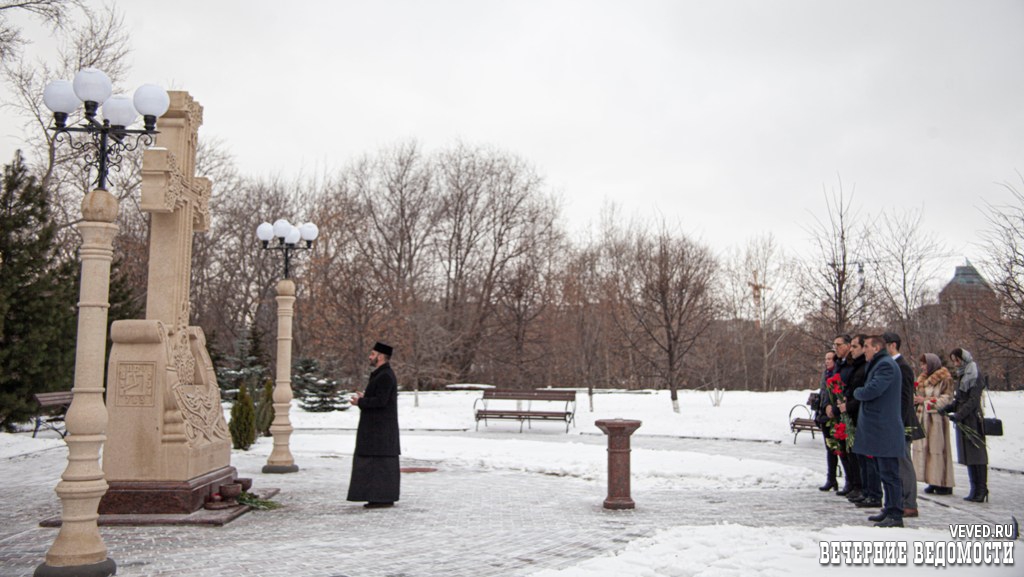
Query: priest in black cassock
x=375, y=471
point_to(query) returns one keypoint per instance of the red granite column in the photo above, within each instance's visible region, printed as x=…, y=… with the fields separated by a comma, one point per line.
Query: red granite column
x=618, y=431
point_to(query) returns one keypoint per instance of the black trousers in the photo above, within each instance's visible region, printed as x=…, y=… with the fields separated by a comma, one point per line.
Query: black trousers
x=851, y=467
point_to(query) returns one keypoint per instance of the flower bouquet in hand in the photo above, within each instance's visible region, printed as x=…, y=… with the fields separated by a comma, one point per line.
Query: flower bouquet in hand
x=841, y=424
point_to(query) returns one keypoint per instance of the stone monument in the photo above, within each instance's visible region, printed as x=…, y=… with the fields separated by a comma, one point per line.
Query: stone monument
x=168, y=447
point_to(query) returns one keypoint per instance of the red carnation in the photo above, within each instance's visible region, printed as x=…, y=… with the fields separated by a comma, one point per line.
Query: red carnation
x=840, y=432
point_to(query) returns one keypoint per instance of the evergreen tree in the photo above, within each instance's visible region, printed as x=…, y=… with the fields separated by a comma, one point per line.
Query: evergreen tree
x=251, y=366
x=265, y=409
x=316, y=392
x=38, y=294
x=243, y=421
x=305, y=373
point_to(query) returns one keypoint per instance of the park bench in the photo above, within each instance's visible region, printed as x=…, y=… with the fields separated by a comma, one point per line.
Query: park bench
x=542, y=405
x=798, y=424
x=55, y=419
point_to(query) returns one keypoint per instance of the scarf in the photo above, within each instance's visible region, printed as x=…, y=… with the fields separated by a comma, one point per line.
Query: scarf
x=932, y=362
x=967, y=372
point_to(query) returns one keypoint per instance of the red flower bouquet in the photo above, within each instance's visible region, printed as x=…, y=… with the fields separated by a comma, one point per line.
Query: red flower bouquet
x=841, y=424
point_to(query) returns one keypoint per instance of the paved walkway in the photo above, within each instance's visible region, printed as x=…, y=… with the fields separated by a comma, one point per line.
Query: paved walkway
x=453, y=522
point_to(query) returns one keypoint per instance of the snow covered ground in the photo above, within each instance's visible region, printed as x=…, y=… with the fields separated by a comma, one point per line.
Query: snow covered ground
x=723, y=549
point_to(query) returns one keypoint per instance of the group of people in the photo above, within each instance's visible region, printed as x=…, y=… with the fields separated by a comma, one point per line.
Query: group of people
x=890, y=429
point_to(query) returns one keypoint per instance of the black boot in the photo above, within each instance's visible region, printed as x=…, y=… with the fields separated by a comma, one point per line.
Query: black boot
x=971, y=472
x=832, y=461
x=980, y=483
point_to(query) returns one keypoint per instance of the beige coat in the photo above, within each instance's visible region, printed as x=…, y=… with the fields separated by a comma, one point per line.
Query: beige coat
x=933, y=455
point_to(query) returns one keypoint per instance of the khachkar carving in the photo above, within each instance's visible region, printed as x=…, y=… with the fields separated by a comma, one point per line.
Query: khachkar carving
x=135, y=385
x=190, y=438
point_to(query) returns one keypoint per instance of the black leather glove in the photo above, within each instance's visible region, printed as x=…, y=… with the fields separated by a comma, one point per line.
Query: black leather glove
x=952, y=417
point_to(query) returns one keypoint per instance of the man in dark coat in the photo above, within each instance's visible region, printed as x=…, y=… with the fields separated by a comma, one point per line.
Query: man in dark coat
x=880, y=427
x=375, y=470
x=845, y=368
x=911, y=426
x=870, y=494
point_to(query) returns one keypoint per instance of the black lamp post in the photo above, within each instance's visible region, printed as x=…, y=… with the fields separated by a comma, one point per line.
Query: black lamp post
x=109, y=137
x=288, y=238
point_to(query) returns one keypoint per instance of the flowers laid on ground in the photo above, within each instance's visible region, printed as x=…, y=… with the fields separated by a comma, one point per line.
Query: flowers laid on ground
x=841, y=424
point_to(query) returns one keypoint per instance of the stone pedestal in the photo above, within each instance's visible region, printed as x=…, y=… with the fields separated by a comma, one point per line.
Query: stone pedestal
x=618, y=431
x=79, y=548
x=281, y=460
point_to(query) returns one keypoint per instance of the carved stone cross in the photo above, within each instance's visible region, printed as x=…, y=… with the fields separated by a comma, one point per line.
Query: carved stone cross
x=179, y=203
x=168, y=445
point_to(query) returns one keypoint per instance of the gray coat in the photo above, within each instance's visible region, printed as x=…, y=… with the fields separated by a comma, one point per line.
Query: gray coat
x=879, y=423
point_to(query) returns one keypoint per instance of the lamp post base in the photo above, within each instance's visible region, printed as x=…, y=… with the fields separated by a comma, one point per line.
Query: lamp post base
x=280, y=469
x=101, y=569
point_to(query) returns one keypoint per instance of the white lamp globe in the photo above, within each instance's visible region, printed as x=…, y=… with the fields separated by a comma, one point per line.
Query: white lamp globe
x=282, y=227
x=119, y=111
x=309, y=231
x=92, y=85
x=59, y=96
x=293, y=236
x=265, y=232
x=151, y=100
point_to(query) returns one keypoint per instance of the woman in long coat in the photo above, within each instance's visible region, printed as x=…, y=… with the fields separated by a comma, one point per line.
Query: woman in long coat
x=933, y=455
x=965, y=411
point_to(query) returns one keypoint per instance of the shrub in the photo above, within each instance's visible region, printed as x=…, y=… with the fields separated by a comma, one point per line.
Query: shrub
x=265, y=409
x=243, y=421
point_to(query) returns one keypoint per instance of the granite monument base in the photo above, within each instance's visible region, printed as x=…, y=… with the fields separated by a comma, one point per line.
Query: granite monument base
x=163, y=497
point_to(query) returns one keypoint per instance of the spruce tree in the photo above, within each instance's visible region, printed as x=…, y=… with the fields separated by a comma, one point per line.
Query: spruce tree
x=316, y=392
x=251, y=366
x=38, y=294
x=243, y=421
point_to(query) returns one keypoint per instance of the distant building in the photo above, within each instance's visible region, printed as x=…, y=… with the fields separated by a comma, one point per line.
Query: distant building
x=968, y=293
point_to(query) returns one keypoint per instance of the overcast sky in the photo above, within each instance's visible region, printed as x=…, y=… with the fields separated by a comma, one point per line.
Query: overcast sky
x=730, y=118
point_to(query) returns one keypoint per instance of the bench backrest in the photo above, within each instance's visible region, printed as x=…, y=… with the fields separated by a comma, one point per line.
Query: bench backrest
x=530, y=395
x=54, y=399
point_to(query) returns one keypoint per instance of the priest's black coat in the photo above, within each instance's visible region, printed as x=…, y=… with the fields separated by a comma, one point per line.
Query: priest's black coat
x=377, y=435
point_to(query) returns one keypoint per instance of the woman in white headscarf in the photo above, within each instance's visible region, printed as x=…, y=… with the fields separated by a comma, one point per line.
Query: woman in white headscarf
x=933, y=455
x=965, y=412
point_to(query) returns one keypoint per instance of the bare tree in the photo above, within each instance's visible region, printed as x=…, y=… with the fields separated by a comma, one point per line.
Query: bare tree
x=1004, y=241
x=900, y=253
x=98, y=39
x=52, y=12
x=237, y=278
x=526, y=289
x=835, y=295
x=664, y=285
x=343, y=309
x=398, y=205
x=772, y=294
x=586, y=331
x=491, y=208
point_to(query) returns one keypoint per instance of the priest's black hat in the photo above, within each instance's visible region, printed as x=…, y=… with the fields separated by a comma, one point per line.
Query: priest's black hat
x=382, y=348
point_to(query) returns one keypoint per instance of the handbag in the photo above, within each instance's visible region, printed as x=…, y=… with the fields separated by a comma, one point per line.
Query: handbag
x=991, y=426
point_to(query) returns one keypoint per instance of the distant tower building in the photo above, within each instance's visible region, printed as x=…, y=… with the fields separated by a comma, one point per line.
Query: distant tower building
x=968, y=293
